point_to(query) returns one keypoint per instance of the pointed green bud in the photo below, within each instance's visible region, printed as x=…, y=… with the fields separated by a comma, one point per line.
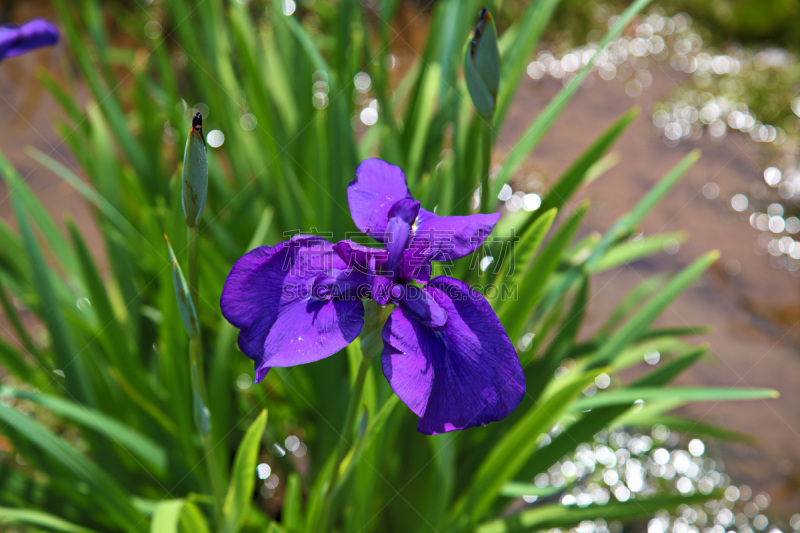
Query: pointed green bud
x=482, y=65
x=185, y=305
x=195, y=173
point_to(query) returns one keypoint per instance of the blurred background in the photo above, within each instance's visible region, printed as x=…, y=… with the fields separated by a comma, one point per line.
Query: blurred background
x=719, y=75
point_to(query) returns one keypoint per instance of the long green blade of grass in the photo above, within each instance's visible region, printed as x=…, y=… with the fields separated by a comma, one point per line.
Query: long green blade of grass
x=513, y=450
x=144, y=448
x=557, y=515
x=652, y=309
x=243, y=479
x=109, y=495
x=536, y=131
x=36, y=518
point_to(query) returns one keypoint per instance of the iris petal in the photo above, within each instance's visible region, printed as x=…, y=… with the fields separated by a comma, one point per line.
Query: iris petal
x=462, y=375
x=377, y=187
x=418, y=305
x=359, y=257
x=416, y=261
x=16, y=40
x=398, y=232
x=454, y=237
x=269, y=297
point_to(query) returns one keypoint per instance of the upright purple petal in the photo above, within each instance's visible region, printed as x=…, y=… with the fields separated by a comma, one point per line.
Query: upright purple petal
x=416, y=261
x=398, y=232
x=16, y=40
x=461, y=375
x=377, y=187
x=270, y=296
x=454, y=237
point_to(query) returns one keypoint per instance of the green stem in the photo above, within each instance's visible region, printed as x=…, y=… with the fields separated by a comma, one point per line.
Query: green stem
x=486, y=162
x=349, y=421
x=344, y=438
x=198, y=370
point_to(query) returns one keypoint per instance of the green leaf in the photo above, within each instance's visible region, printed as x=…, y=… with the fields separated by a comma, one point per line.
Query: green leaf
x=33, y=517
x=431, y=85
x=12, y=316
x=243, y=476
x=23, y=196
x=630, y=302
x=193, y=520
x=17, y=364
x=634, y=249
x=87, y=192
x=67, y=358
x=515, y=489
x=652, y=309
x=374, y=429
x=569, y=182
x=627, y=396
x=693, y=427
x=512, y=451
x=543, y=368
x=117, y=349
x=667, y=372
x=167, y=516
x=515, y=313
x=523, y=251
x=182, y=296
x=517, y=44
x=556, y=515
x=536, y=131
x=148, y=451
x=292, y=512
x=109, y=495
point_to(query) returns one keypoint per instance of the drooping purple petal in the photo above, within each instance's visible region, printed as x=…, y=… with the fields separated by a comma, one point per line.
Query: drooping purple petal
x=377, y=187
x=419, y=305
x=16, y=40
x=454, y=237
x=270, y=296
x=464, y=374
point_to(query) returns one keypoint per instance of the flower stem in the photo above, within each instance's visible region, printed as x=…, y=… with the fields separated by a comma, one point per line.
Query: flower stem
x=349, y=421
x=198, y=371
x=344, y=439
x=486, y=161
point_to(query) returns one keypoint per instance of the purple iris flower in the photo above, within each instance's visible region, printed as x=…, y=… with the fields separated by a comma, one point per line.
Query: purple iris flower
x=445, y=353
x=16, y=40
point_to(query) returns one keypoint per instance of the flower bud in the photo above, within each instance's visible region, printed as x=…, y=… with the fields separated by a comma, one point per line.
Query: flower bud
x=195, y=174
x=185, y=305
x=482, y=65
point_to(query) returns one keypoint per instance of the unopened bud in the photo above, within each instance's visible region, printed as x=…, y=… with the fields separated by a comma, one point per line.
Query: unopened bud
x=195, y=173
x=185, y=304
x=482, y=65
